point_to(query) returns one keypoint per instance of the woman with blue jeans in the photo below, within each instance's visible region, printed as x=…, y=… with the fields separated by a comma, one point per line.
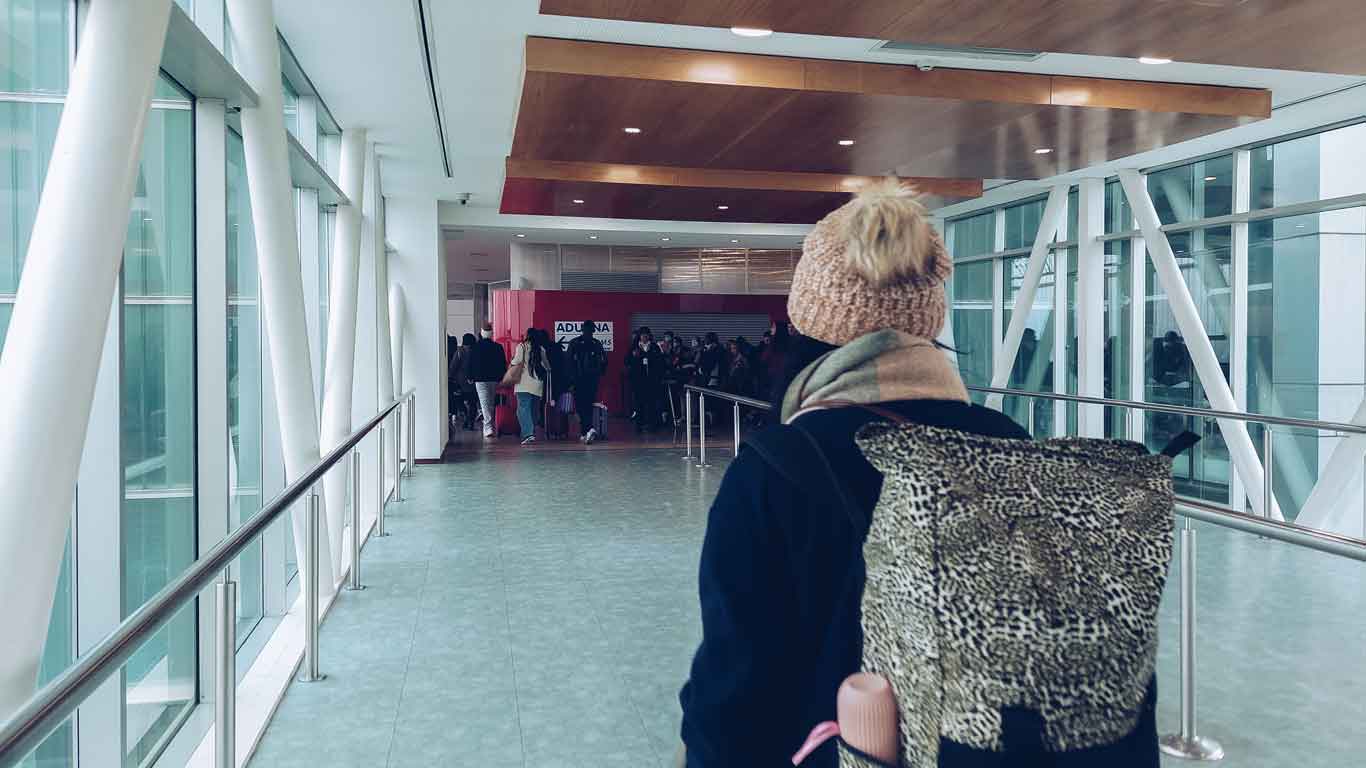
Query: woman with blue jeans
x=530, y=387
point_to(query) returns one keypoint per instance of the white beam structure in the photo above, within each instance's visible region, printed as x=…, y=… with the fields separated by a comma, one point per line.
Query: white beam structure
x=397, y=314
x=1239, y=297
x=52, y=351
x=277, y=251
x=339, y=376
x=1053, y=214
x=1206, y=364
x=1090, y=305
x=384, y=370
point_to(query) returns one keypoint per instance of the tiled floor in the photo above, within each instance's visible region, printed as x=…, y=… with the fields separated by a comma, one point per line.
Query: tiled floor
x=538, y=609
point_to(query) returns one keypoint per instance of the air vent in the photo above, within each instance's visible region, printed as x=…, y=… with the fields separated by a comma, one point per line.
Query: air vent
x=955, y=51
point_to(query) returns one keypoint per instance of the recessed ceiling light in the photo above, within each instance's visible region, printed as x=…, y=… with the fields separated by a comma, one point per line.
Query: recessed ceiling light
x=1153, y=60
x=1211, y=178
x=592, y=237
x=631, y=130
x=1043, y=151
x=1299, y=226
x=521, y=235
x=751, y=31
x=723, y=207
x=846, y=142
x=578, y=201
x=735, y=241
x=664, y=239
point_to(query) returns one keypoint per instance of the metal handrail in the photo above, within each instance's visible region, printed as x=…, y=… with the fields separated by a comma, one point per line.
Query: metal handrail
x=741, y=399
x=55, y=702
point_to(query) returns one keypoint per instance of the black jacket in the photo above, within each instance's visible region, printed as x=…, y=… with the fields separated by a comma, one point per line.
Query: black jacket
x=781, y=580
x=488, y=362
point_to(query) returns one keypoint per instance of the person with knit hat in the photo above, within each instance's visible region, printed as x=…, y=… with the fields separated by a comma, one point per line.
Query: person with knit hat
x=782, y=570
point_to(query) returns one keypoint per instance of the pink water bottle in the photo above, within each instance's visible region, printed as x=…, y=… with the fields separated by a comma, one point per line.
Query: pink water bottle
x=867, y=716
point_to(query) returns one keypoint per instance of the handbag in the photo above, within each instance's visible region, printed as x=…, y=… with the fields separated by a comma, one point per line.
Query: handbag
x=513, y=375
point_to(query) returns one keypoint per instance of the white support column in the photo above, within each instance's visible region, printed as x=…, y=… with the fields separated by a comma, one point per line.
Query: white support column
x=385, y=370
x=397, y=314
x=341, y=326
x=1090, y=304
x=282, y=303
x=998, y=286
x=1054, y=213
x=1238, y=362
x=1060, y=288
x=1138, y=340
x=51, y=356
x=1197, y=340
x=216, y=465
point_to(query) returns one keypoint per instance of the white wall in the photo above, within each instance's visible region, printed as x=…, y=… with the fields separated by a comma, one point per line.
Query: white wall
x=459, y=317
x=535, y=267
x=417, y=265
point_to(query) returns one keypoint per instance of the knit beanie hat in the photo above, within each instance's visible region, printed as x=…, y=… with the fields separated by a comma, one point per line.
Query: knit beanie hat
x=874, y=263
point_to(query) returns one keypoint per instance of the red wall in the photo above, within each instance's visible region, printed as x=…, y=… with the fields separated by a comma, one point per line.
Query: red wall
x=512, y=312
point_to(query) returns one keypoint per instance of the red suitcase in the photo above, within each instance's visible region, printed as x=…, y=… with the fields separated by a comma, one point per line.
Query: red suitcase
x=505, y=415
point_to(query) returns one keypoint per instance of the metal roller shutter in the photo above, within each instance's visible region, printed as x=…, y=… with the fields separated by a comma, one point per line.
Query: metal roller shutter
x=689, y=324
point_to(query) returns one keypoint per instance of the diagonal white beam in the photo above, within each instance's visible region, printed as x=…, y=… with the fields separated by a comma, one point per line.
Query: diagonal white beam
x=1197, y=339
x=1053, y=212
x=1323, y=509
x=52, y=354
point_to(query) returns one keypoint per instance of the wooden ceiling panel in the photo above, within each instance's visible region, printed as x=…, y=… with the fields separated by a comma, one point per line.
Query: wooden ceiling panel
x=1311, y=35
x=581, y=118
x=545, y=197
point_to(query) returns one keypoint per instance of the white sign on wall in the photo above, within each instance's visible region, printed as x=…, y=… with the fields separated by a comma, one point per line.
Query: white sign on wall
x=567, y=330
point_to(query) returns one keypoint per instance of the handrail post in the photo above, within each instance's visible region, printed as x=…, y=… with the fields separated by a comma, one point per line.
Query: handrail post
x=311, y=573
x=383, y=492
x=400, y=440
x=687, y=424
x=355, y=585
x=735, y=416
x=1268, y=471
x=412, y=433
x=702, y=436
x=1187, y=744
x=225, y=677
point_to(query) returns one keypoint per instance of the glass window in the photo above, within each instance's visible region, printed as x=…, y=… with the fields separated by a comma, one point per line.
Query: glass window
x=291, y=108
x=244, y=385
x=1195, y=191
x=973, y=236
x=1033, y=369
x=1204, y=257
x=36, y=53
x=971, y=289
x=1118, y=217
x=29, y=130
x=1022, y=223
x=1119, y=298
x=158, y=425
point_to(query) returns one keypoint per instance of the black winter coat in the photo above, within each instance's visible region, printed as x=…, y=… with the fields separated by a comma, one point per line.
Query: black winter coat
x=488, y=362
x=781, y=580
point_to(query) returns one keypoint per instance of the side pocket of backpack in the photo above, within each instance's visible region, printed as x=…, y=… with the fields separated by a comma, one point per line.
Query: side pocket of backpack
x=851, y=757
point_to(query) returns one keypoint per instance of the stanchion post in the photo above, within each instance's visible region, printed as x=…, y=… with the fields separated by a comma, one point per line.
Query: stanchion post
x=383, y=493
x=355, y=585
x=412, y=434
x=1188, y=744
x=399, y=444
x=687, y=423
x=702, y=430
x=311, y=573
x=1268, y=471
x=225, y=676
x=735, y=418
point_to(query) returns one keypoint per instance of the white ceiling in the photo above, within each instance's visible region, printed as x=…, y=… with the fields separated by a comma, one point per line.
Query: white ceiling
x=365, y=59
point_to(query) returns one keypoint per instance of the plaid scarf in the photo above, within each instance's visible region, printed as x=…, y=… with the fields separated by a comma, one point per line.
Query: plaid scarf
x=880, y=367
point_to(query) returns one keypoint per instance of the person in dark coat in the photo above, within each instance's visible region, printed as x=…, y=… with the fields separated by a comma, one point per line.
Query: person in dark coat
x=782, y=570
x=587, y=363
x=488, y=363
x=645, y=371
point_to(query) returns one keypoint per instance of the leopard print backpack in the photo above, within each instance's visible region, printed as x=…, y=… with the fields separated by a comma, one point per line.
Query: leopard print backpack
x=1013, y=587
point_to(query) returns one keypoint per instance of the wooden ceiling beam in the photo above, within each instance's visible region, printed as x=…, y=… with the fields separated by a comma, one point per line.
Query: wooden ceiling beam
x=668, y=176
x=676, y=65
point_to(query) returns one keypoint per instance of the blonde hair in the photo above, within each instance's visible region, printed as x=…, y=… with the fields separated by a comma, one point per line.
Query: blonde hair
x=890, y=236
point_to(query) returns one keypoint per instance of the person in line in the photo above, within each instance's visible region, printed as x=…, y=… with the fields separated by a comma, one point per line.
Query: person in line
x=740, y=378
x=464, y=400
x=774, y=360
x=782, y=573
x=488, y=364
x=645, y=370
x=530, y=386
x=587, y=363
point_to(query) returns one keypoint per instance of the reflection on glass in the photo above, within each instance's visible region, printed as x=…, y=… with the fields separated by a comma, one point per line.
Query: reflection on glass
x=1119, y=298
x=35, y=55
x=972, y=236
x=158, y=426
x=1205, y=261
x=291, y=108
x=244, y=386
x=1194, y=191
x=971, y=290
x=1033, y=369
x=29, y=130
x=1022, y=223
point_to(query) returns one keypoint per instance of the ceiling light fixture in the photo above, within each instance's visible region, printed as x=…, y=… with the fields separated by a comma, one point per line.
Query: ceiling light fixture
x=631, y=130
x=723, y=207
x=664, y=239
x=1043, y=151
x=1211, y=178
x=1153, y=60
x=751, y=31
x=592, y=237
x=735, y=241
x=846, y=142
x=521, y=235
x=578, y=201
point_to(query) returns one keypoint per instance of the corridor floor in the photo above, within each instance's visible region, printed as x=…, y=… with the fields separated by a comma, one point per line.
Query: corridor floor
x=539, y=610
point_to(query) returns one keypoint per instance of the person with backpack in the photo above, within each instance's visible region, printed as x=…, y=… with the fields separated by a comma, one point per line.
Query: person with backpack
x=587, y=363
x=488, y=363
x=798, y=530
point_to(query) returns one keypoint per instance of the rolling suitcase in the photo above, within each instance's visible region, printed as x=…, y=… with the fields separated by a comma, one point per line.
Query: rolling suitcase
x=600, y=420
x=505, y=415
